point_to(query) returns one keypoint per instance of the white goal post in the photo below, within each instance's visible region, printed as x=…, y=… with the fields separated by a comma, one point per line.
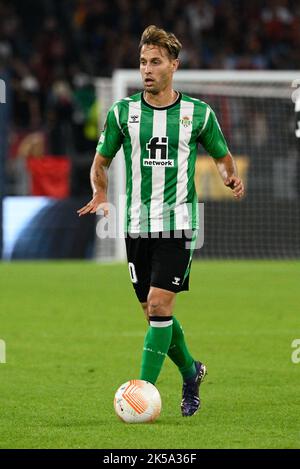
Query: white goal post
x=255, y=109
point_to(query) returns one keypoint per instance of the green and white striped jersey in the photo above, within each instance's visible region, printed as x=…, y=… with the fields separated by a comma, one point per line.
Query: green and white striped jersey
x=160, y=148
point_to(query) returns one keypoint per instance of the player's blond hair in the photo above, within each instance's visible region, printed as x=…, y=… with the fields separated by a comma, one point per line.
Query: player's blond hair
x=161, y=38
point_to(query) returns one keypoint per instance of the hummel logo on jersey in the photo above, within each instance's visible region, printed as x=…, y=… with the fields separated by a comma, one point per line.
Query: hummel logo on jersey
x=134, y=120
x=158, y=153
x=176, y=281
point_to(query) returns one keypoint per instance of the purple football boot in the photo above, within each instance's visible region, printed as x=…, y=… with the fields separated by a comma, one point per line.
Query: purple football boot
x=190, y=391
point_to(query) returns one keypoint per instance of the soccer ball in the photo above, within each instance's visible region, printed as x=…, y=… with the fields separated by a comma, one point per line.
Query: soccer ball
x=137, y=401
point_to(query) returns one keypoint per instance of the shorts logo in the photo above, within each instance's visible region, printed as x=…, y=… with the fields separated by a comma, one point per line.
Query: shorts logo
x=158, y=153
x=176, y=281
x=186, y=121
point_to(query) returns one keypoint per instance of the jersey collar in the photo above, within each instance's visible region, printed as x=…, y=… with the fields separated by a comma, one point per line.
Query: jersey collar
x=164, y=107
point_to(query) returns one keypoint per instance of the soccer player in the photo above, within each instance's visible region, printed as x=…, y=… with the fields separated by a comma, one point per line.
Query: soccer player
x=160, y=129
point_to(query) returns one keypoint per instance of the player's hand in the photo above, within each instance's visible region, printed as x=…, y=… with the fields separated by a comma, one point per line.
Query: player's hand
x=99, y=201
x=236, y=185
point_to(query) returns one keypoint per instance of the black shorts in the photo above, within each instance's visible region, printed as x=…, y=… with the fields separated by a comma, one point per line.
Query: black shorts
x=160, y=262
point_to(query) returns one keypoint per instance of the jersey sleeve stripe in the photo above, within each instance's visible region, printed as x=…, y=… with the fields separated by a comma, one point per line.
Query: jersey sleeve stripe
x=205, y=120
x=116, y=112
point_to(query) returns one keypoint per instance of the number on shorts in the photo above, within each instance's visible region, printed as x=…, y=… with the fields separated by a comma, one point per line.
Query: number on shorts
x=132, y=272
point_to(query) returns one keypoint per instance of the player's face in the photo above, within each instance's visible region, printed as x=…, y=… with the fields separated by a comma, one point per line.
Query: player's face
x=157, y=68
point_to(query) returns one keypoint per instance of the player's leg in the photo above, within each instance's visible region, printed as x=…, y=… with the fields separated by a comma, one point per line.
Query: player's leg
x=160, y=304
x=193, y=372
x=169, y=263
x=158, y=336
x=170, y=270
x=140, y=269
x=178, y=351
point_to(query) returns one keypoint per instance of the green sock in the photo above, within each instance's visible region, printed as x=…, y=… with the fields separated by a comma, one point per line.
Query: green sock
x=156, y=346
x=179, y=353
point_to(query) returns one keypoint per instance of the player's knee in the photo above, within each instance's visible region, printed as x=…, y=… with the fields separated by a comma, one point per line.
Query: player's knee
x=145, y=309
x=159, y=304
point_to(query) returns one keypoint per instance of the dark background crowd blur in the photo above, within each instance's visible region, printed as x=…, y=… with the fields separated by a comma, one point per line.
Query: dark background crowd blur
x=50, y=50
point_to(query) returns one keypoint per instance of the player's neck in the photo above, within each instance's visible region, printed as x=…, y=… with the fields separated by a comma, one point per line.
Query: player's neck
x=163, y=99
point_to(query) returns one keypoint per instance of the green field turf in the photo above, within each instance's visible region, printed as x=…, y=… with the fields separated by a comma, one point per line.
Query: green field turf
x=74, y=332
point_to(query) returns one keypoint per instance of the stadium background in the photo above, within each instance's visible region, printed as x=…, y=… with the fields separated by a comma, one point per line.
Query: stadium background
x=52, y=313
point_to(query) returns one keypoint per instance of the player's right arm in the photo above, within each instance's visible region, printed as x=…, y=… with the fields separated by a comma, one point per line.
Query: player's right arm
x=109, y=144
x=99, y=182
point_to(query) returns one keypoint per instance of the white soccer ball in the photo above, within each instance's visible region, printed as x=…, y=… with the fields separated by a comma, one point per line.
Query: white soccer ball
x=137, y=401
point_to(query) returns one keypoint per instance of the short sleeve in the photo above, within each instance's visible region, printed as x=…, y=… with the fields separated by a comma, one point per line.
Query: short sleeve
x=111, y=138
x=211, y=136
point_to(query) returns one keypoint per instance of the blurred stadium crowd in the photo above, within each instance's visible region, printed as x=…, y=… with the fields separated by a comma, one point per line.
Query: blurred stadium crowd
x=50, y=50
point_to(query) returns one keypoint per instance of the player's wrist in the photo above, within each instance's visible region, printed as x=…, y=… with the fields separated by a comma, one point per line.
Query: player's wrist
x=99, y=193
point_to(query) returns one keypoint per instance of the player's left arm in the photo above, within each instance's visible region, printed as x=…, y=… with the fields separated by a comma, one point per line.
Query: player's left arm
x=228, y=172
x=213, y=140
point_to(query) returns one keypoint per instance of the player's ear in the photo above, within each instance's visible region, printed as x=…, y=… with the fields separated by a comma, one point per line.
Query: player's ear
x=175, y=64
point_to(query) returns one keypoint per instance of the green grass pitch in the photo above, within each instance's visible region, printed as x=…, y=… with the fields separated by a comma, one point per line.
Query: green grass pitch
x=74, y=332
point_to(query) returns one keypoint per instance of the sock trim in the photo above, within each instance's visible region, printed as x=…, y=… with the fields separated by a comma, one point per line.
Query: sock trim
x=161, y=321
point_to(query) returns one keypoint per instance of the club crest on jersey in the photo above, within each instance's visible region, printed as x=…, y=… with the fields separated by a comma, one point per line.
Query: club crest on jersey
x=158, y=153
x=186, y=121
